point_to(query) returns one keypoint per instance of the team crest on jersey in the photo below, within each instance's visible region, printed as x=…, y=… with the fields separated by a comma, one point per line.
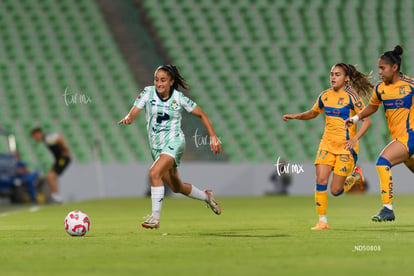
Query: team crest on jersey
x=402, y=90
x=341, y=101
x=174, y=105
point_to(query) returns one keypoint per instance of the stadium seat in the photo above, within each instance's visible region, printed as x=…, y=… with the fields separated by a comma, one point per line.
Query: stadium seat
x=268, y=58
x=50, y=46
x=248, y=63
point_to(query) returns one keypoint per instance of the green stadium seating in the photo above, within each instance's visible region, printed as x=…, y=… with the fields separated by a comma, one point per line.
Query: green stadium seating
x=252, y=61
x=248, y=63
x=48, y=46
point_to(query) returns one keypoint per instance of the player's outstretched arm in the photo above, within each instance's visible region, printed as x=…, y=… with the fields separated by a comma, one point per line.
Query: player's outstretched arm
x=308, y=115
x=215, y=143
x=366, y=112
x=130, y=117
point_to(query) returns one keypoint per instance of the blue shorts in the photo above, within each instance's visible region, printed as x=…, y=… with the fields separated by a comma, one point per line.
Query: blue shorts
x=175, y=149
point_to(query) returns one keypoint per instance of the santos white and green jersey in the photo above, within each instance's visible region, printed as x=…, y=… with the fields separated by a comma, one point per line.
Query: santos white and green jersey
x=163, y=116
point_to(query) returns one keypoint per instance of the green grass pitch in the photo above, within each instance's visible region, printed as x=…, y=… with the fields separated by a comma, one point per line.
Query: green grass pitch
x=253, y=236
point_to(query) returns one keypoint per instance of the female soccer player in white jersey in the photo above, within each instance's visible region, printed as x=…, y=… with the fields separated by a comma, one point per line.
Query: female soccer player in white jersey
x=163, y=105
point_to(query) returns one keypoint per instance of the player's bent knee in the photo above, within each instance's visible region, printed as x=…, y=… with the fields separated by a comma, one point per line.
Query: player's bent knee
x=154, y=174
x=382, y=161
x=337, y=192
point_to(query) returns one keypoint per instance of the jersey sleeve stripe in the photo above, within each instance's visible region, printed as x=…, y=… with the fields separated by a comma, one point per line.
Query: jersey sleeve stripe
x=352, y=93
x=407, y=79
x=376, y=91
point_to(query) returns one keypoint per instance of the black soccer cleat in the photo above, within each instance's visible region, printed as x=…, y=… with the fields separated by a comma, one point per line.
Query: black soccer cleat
x=384, y=215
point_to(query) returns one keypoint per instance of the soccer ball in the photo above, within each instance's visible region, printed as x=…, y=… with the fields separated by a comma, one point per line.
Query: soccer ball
x=77, y=223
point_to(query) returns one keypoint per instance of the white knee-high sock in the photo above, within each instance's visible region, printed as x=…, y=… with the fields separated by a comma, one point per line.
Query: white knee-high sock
x=196, y=193
x=157, y=197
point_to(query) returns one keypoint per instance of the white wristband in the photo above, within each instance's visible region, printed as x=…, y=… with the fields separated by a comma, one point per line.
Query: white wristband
x=354, y=119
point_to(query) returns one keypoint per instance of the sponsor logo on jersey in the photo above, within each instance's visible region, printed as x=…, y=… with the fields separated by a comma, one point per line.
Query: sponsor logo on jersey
x=399, y=103
x=162, y=117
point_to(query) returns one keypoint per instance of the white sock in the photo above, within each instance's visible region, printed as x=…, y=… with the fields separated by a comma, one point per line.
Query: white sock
x=157, y=197
x=56, y=197
x=389, y=206
x=196, y=193
x=323, y=218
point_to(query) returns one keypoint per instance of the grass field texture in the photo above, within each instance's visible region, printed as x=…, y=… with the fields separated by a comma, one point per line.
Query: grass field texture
x=253, y=236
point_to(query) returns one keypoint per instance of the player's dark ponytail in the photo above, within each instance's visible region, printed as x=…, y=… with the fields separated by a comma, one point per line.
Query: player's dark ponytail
x=357, y=80
x=393, y=57
x=173, y=72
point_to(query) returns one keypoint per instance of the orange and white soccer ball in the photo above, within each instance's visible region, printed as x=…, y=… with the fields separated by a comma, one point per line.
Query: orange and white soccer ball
x=77, y=223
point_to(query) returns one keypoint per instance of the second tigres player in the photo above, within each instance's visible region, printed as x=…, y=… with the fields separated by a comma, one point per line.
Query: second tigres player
x=338, y=149
x=396, y=93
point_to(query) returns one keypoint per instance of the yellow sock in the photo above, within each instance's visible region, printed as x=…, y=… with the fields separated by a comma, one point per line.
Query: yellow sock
x=349, y=182
x=386, y=185
x=321, y=199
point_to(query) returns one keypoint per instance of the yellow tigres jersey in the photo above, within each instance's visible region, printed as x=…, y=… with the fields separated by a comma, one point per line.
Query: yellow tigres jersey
x=338, y=106
x=397, y=99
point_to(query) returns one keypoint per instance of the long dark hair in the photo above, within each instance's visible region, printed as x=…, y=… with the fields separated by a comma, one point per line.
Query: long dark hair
x=393, y=57
x=357, y=80
x=175, y=75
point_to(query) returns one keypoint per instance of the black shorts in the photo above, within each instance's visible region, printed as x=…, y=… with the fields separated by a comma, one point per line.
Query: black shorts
x=60, y=165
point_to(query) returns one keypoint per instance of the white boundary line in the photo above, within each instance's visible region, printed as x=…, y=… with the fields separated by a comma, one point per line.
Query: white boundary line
x=31, y=209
